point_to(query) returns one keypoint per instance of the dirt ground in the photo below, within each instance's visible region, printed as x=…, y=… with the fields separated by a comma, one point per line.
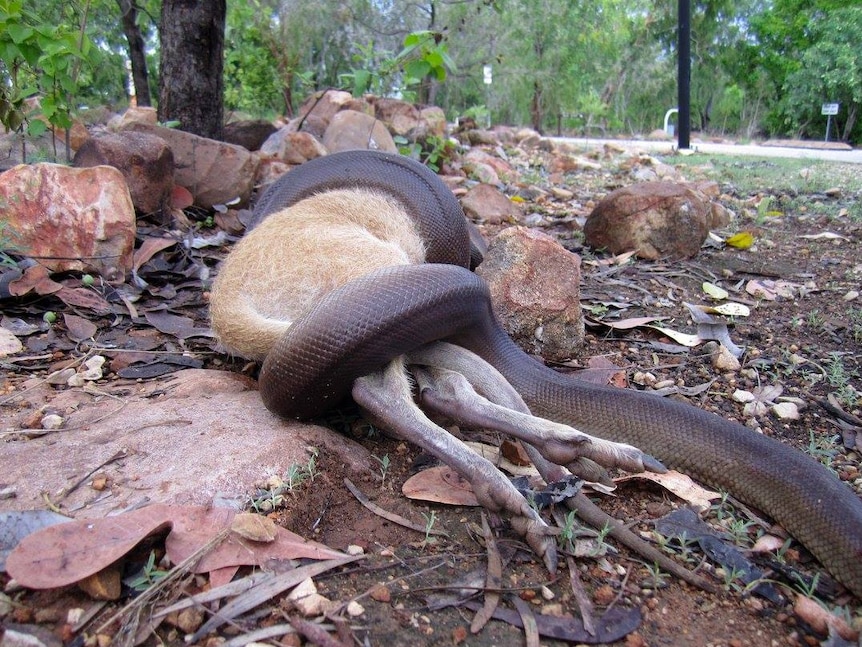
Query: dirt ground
x=807, y=236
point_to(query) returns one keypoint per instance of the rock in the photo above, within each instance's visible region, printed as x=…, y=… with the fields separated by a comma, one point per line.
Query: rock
x=250, y=133
x=292, y=147
x=324, y=105
x=656, y=219
x=20, y=635
x=487, y=204
x=481, y=172
x=145, y=161
x=565, y=163
x=433, y=121
x=400, y=117
x=215, y=172
x=78, y=134
x=535, y=289
x=229, y=444
x=502, y=169
x=786, y=411
x=724, y=360
x=480, y=137
x=79, y=219
x=361, y=104
x=352, y=130
x=268, y=171
x=134, y=115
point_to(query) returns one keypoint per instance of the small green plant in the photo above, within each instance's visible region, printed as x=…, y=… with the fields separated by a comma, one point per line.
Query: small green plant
x=432, y=152
x=732, y=578
x=815, y=319
x=480, y=114
x=311, y=465
x=808, y=588
x=855, y=317
x=274, y=497
x=147, y=576
x=430, y=520
x=384, y=467
x=763, y=211
x=738, y=529
x=567, y=530
x=838, y=378
x=657, y=579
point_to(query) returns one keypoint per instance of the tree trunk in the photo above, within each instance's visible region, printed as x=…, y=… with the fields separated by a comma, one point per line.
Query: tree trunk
x=191, y=86
x=129, y=14
x=536, y=107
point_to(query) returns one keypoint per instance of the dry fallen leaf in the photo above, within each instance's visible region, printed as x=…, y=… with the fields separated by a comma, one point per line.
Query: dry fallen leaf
x=680, y=484
x=78, y=328
x=439, y=484
x=69, y=552
x=35, y=278
x=742, y=240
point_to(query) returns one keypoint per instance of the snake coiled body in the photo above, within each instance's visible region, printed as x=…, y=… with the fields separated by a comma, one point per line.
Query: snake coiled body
x=360, y=326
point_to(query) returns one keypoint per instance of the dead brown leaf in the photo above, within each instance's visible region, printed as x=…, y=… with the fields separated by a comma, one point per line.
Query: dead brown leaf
x=36, y=279
x=440, y=484
x=78, y=328
x=149, y=248
x=66, y=553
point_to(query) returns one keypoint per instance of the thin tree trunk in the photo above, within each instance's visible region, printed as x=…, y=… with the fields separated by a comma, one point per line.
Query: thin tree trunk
x=140, y=80
x=191, y=85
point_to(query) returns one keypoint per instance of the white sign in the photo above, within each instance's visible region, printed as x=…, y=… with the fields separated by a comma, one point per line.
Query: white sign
x=829, y=109
x=486, y=73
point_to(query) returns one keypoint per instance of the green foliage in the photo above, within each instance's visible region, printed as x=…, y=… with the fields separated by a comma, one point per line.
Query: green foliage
x=830, y=71
x=251, y=65
x=424, y=56
x=37, y=59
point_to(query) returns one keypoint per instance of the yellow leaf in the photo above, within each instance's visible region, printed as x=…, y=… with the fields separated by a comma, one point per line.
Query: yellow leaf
x=517, y=198
x=742, y=240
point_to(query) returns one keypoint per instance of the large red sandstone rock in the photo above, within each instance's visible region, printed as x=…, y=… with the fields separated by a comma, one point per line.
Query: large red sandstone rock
x=487, y=204
x=535, y=289
x=655, y=219
x=325, y=104
x=351, y=130
x=70, y=218
x=214, y=172
x=292, y=147
x=145, y=161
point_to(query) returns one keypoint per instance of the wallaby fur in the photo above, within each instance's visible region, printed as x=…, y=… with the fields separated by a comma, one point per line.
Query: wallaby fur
x=292, y=258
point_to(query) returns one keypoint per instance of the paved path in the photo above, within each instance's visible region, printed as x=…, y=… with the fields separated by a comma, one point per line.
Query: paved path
x=668, y=147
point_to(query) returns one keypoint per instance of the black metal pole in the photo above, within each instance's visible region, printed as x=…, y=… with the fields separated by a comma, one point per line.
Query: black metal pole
x=684, y=73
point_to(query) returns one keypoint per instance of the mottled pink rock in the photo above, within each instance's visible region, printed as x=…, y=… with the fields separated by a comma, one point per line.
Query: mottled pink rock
x=655, y=219
x=145, y=161
x=215, y=172
x=535, y=289
x=487, y=204
x=70, y=218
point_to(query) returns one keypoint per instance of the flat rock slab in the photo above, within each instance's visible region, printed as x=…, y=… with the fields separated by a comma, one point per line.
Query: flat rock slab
x=197, y=437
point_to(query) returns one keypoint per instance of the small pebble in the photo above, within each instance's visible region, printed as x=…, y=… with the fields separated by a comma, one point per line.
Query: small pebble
x=52, y=421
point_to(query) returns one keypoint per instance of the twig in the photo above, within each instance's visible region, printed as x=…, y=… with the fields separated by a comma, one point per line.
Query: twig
x=390, y=516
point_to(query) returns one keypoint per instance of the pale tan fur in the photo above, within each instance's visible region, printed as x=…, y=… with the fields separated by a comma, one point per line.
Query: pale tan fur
x=277, y=271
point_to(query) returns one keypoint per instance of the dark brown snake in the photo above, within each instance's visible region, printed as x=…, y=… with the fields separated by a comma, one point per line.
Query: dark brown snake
x=361, y=326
